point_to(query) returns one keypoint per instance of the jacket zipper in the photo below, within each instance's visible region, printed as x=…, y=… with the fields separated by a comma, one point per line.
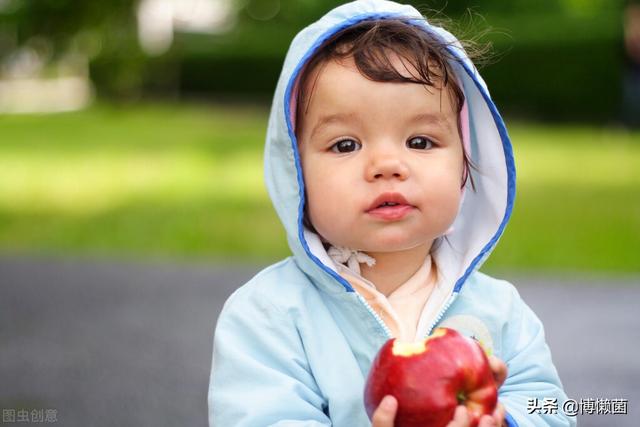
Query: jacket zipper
x=384, y=326
x=450, y=301
x=386, y=329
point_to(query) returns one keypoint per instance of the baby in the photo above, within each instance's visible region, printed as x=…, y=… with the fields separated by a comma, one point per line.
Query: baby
x=392, y=172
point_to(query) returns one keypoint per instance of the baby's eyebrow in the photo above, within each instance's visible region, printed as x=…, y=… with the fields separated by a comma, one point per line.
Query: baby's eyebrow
x=430, y=118
x=333, y=118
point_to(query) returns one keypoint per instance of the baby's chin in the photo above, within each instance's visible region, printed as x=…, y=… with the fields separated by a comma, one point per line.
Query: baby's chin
x=390, y=249
x=371, y=240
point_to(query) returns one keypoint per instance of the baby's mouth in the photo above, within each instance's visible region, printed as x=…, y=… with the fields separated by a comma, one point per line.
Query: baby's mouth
x=391, y=211
x=390, y=207
x=388, y=200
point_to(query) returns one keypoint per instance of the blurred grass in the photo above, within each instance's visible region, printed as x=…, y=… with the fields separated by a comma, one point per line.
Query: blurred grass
x=186, y=182
x=578, y=201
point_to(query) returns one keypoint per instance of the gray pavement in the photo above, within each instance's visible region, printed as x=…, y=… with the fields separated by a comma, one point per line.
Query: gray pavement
x=124, y=344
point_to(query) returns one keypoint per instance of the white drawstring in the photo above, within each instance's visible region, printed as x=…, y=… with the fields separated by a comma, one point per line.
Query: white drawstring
x=353, y=258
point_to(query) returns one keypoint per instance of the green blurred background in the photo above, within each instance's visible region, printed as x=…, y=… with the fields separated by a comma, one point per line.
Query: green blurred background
x=134, y=129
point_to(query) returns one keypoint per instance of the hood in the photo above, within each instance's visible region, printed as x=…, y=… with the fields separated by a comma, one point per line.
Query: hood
x=483, y=213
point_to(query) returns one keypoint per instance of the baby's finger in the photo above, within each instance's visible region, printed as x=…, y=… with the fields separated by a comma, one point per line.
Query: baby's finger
x=499, y=369
x=488, y=421
x=460, y=418
x=499, y=414
x=385, y=414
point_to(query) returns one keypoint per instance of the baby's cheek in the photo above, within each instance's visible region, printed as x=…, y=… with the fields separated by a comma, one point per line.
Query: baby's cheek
x=316, y=205
x=445, y=204
x=330, y=220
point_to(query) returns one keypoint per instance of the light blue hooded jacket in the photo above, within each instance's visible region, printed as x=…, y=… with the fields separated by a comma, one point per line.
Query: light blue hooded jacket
x=294, y=345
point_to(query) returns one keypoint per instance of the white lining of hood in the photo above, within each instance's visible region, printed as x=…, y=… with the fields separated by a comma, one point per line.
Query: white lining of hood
x=317, y=248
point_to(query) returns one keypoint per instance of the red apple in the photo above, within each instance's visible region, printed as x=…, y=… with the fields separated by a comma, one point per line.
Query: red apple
x=429, y=378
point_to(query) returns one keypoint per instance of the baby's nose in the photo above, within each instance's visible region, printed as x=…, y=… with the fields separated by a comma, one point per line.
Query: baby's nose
x=387, y=167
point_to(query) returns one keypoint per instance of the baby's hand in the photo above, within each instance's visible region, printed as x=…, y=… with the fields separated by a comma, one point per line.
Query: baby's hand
x=385, y=413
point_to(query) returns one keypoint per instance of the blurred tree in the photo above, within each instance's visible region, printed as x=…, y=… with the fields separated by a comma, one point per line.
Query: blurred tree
x=631, y=87
x=104, y=32
x=60, y=21
x=557, y=48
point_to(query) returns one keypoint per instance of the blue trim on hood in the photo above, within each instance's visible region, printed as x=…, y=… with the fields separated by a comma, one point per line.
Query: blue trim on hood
x=506, y=144
x=511, y=422
x=511, y=172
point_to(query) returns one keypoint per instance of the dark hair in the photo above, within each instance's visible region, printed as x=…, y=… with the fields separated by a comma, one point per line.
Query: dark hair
x=371, y=44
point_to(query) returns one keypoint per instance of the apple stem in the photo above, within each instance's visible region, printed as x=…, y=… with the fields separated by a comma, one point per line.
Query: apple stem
x=461, y=396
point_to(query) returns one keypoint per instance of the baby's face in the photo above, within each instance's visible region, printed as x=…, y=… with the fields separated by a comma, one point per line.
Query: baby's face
x=362, y=143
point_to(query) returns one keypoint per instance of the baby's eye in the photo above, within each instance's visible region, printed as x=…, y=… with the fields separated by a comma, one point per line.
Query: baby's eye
x=345, y=146
x=419, y=143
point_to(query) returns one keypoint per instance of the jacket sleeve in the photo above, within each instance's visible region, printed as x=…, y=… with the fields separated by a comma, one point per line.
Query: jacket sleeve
x=531, y=373
x=260, y=375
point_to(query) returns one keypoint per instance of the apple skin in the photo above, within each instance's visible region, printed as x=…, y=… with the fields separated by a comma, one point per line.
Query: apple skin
x=439, y=373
